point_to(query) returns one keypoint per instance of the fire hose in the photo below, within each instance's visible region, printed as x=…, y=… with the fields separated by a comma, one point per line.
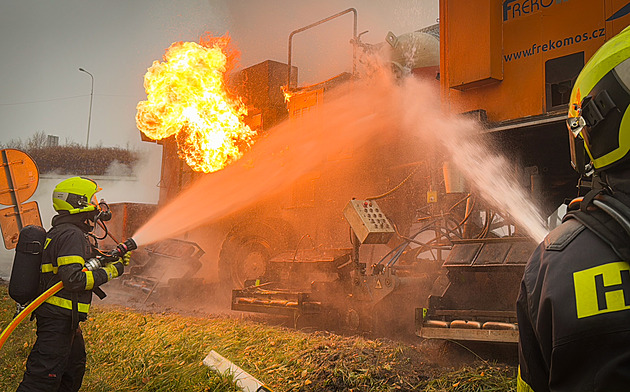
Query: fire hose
x=91, y=265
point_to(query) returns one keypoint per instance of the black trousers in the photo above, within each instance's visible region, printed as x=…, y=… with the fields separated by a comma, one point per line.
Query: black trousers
x=57, y=360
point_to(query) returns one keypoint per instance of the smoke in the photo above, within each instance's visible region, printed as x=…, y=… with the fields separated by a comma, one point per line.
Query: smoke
x=133, y=184
x=118, y=169
x=378, y=108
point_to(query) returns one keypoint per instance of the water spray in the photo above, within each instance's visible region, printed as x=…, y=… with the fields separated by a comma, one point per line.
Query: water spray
x=355, y=118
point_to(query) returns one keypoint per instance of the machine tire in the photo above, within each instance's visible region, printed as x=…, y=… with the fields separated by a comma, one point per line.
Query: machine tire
x=248, y=247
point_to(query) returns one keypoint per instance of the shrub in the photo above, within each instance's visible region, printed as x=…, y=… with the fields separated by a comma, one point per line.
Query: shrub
x=82, y=161
x=74, y=158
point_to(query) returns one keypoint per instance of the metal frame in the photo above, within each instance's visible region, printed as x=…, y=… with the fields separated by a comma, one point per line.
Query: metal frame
x=354, y=39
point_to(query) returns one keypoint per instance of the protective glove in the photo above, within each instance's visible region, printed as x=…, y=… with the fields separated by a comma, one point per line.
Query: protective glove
x=125, y=259
x=114, y=269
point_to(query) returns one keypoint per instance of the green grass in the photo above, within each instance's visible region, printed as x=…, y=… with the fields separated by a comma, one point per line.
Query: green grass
x=468, y=379
x=131, y=351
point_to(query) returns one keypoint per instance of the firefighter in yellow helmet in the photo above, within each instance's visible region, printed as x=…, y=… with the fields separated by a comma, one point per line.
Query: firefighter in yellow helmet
x=574, y=305
x=57, y=360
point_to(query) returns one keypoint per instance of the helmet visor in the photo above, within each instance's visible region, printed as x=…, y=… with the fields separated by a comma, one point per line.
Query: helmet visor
x=576, y=144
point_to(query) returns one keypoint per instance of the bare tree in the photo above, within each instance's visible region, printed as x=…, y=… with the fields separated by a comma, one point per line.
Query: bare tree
x=37, y=141
x=13, y=143
x=68, y=142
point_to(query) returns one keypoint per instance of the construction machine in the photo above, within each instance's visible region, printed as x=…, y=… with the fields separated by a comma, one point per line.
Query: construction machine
x=408, y=245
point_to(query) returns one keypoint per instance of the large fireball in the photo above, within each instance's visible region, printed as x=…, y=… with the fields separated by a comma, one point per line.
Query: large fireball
x=187, y=97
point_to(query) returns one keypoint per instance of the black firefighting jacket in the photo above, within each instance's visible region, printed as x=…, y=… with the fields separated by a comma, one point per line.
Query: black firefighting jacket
x=574, y=315
x=65, y=251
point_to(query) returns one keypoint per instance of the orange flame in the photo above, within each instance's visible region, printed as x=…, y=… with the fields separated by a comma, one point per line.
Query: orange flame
x=287, y=93
x=187, y=97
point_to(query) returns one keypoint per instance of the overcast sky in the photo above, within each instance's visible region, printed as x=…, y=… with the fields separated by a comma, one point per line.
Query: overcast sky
x=44, y=42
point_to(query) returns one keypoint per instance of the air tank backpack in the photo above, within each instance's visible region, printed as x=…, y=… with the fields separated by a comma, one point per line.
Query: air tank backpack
x=25, y=273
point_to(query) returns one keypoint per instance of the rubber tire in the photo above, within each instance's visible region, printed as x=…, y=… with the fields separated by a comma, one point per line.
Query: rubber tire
x=248, y=247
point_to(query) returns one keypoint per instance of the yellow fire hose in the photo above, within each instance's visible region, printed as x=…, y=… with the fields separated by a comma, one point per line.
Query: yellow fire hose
x=28, y=310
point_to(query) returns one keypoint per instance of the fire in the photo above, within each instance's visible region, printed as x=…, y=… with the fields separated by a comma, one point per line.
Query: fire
x=187, y=97
x=287, y=94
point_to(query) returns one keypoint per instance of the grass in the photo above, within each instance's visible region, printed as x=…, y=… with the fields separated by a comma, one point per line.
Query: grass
x=132, y=351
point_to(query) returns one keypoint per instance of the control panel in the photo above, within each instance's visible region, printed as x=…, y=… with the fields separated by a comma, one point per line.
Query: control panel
x=368, y=222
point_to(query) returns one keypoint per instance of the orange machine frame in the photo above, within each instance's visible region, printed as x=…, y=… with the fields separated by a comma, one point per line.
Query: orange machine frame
x=495, y=55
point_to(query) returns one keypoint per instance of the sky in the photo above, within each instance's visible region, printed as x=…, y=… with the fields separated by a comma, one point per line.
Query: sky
x=43, y=43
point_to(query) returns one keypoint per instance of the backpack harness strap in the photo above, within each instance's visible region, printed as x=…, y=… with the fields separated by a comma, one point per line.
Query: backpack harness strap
x=607, y=217
x=31, y=247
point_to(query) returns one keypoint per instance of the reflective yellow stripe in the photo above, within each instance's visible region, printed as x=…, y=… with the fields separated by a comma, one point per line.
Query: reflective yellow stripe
x=47, y=242
x=49, y=268
x=70, y=260
x=89, y=280
x=602, y=289
x=619, y=152
x=522, y=386
x=67, y=304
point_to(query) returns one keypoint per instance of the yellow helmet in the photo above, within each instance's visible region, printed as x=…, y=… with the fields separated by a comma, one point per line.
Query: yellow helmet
x=75, y=195
x=599, y=117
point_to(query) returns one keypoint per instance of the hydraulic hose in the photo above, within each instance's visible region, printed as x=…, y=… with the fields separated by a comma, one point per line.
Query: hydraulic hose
x=606, y=205
x=27, y=311
x=613, y=207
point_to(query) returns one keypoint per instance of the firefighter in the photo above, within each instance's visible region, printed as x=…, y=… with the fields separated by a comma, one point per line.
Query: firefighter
x=574, y=304
x=57, y=359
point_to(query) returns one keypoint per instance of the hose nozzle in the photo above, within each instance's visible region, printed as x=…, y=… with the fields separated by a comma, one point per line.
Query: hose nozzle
x=103, y=258
x=124, y=247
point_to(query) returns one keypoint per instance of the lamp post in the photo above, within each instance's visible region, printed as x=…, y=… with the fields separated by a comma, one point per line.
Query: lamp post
x=87, y=141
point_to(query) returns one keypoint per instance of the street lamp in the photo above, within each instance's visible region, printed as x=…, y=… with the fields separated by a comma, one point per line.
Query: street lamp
x=87, y=141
